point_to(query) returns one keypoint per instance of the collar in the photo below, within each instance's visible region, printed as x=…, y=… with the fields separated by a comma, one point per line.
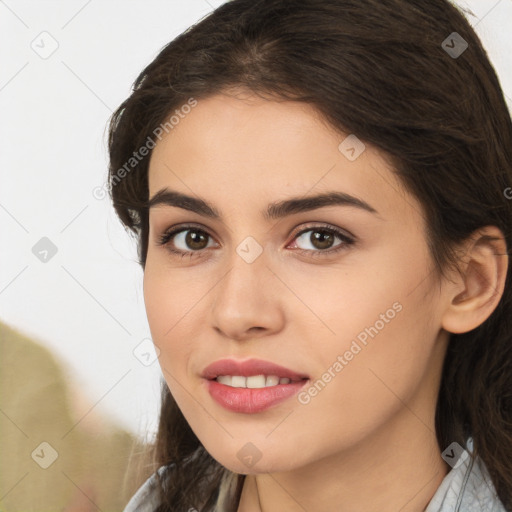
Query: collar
x=467, y=487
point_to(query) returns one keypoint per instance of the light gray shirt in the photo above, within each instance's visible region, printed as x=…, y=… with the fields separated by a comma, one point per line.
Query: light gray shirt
x=467, y=487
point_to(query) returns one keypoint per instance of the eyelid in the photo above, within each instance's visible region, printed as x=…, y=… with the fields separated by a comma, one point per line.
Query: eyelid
x=323, y=225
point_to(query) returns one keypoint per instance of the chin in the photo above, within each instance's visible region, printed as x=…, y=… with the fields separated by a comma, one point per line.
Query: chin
x=248, y=460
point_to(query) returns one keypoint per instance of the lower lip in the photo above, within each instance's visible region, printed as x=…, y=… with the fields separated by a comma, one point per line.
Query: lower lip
x=250, y=401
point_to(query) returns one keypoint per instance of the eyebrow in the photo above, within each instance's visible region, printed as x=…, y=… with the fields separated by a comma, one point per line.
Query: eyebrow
x=276, y=210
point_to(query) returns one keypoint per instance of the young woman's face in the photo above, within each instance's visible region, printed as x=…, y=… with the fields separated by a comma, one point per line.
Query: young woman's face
x=341, y=292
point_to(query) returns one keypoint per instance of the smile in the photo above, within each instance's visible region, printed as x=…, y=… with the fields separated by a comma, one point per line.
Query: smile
x=252, y=385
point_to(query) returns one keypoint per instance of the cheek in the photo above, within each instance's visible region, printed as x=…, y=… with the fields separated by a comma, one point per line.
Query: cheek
x=376, y=336
x=169, y=293
x=168, y=299
x=359, y=387
x=366, y=288
x=171, y=308
x=159, y=304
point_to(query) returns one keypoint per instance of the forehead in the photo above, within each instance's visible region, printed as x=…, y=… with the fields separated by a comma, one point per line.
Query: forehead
x=267, y=148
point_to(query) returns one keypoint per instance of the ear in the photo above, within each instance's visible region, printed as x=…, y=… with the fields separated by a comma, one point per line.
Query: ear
x=479, y=287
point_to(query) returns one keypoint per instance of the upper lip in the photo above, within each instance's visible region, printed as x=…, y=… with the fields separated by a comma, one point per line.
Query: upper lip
x=249, y=367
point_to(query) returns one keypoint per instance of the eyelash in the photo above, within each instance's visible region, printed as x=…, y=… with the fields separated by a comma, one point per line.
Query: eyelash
x=165, y=238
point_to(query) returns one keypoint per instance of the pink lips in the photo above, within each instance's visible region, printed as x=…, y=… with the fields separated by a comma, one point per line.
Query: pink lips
x=246, y=400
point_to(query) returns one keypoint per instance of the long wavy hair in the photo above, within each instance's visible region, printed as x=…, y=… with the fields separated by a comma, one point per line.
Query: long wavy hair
x=377, y=69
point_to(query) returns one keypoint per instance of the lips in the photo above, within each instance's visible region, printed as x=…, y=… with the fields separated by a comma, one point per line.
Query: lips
x=254, y=399
x=248, y=368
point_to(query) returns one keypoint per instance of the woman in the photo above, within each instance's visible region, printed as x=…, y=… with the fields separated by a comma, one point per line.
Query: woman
x=320, y=192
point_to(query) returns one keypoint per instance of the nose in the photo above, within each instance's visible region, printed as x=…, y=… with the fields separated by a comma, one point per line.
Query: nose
x=246, y=302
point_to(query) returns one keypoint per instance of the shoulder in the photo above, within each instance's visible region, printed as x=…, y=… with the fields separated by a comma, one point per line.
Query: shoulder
x=467, y=487
x=146, y=499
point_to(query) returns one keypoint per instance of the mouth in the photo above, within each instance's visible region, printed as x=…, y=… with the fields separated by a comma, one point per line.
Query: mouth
x=251, y=386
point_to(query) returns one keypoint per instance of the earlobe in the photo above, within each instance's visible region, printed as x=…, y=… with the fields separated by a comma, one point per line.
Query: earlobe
x=482, y=279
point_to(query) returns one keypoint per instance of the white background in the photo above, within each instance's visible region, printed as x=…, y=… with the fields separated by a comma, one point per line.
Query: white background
x=86, y=303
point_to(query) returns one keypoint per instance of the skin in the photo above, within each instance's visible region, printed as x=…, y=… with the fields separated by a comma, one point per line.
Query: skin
x=366, y=441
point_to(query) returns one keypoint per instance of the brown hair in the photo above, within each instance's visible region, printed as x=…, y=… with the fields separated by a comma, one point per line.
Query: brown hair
x=377, y=69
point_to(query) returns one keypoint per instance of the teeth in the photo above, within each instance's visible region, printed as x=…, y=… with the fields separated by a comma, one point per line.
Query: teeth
x=252, y=382
x=238, y=382
x=272, y=380
x=224, y=379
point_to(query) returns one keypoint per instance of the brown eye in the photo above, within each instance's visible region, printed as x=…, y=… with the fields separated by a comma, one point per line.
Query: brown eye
x=196, y=240
x=321, y=239
x=185, y=240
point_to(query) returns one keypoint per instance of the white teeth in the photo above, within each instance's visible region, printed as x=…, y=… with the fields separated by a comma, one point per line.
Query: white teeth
x=255, y=381
x=224, y=379
x=252, y=382
x=238, y=381
x=272, y=380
